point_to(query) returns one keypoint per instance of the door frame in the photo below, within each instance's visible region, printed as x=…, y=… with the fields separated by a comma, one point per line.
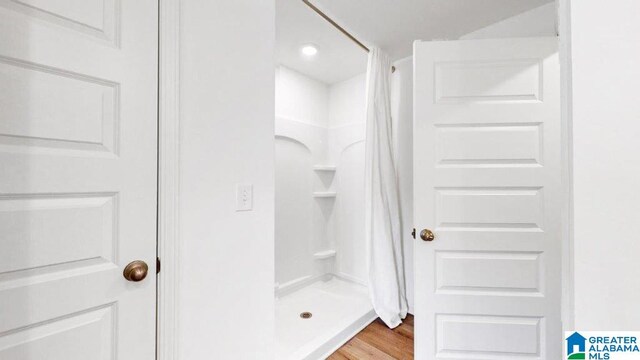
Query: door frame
x=563, y=8
x=168, y=248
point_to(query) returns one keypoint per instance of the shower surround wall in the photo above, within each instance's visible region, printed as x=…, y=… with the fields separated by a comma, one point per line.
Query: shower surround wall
x=319, y=180
x=301, y=138
x=347, y=115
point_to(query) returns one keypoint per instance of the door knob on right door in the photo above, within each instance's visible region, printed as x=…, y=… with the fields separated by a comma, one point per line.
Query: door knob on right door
x=427, y=235
x=136, y=271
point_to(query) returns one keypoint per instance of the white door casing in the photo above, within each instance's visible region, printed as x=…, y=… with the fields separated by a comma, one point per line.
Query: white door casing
x=78, y=144
x=487, y=182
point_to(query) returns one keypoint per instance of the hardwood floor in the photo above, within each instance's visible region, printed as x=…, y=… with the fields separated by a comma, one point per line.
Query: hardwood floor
x=378, y=342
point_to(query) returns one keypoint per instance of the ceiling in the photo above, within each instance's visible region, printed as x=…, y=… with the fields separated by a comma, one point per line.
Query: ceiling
x=392, y=25
x=338, y=57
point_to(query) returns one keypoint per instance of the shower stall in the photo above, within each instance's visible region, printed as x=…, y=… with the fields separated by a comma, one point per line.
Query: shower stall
x=320, y=254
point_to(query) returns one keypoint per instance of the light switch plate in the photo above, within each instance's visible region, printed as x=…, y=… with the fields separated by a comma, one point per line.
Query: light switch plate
x=244, y=197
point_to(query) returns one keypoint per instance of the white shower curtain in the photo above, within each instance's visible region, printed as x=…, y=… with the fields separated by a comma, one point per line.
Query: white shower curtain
x=386, y=270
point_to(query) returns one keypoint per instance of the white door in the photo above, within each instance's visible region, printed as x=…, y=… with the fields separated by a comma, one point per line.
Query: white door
x=78, y=129
x=487, y=183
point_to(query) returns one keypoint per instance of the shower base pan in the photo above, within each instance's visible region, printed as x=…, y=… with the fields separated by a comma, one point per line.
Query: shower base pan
x=339, y=310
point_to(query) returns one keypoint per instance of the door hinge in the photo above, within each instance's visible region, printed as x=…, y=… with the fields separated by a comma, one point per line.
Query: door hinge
x=157, y=265
x=413, y=233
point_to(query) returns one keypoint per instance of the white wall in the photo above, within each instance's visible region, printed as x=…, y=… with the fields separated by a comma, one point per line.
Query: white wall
x=227, y=106
x=301, y=98
x=605, y=53
x=540, y=21
x=347, y=101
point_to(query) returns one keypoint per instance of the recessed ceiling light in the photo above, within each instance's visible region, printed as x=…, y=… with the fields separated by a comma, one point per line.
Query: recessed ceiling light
x=309, y=50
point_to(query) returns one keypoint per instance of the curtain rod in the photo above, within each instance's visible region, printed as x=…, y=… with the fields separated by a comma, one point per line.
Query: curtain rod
x=342, y=30
x=335, y=24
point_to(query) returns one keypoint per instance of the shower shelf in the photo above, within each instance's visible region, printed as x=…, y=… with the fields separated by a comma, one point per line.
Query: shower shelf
x=326, y=254
x=324, y=194
x=324, y=168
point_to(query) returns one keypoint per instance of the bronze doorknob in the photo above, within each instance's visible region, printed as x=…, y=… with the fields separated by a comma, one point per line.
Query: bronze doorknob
x=427, y=235
x=136, y=271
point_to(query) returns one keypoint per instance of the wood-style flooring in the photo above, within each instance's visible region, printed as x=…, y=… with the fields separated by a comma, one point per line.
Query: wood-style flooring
x=378, y=342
